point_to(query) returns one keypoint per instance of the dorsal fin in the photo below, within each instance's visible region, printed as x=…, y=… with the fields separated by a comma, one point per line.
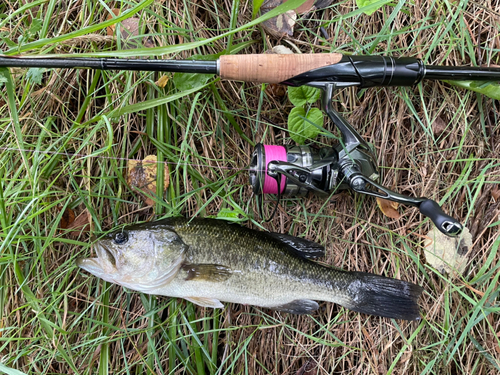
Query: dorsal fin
x=300, y=246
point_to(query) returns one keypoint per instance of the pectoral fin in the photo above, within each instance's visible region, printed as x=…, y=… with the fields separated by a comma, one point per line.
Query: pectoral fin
x=298, y=306
x=206, y=302
x=300, y=246
x=208, y=272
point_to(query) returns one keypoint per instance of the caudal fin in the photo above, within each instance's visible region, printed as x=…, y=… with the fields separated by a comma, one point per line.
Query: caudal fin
x=383, y=296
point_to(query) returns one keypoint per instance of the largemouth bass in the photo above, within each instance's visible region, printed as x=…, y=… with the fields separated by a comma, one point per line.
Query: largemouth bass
x=207, y=261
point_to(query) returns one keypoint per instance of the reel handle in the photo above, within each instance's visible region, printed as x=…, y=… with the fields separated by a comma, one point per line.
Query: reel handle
x=445, y=223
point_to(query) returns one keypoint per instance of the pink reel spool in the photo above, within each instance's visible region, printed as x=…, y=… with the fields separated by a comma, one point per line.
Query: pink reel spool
x=273, y=153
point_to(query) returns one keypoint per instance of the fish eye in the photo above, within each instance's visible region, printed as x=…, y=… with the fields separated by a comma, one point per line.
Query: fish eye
x=120, y=238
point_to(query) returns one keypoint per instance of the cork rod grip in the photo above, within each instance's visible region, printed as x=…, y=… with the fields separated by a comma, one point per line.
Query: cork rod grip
x=271, y=68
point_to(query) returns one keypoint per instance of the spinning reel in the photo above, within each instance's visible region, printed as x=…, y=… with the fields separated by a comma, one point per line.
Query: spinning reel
x=300, y=170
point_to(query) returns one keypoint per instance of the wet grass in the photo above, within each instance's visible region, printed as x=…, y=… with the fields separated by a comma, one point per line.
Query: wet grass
x=67, y=135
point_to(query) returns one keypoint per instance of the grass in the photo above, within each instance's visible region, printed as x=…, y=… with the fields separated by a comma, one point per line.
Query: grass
x=66, y=136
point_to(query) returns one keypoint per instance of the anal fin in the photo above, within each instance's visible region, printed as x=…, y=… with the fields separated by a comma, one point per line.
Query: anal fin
x=206, y=302
x=298, y=306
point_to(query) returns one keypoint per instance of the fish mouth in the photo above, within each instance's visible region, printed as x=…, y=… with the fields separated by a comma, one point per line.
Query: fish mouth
x=103, y=264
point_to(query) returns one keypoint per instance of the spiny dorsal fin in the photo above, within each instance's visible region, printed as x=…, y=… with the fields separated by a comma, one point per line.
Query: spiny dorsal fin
x=300, y=246
x=209, y=272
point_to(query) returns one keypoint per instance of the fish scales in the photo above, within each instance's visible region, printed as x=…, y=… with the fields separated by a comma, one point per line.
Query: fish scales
x=207, y=261
x=267, y=274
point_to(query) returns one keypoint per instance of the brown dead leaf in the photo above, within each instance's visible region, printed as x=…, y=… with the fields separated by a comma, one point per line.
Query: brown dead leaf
x=148, y=42
x=308, y=368
x=275, y=90
x=80, y=225
x=67, y=218
x=495, y=193
x=389, y=208
x=142, y=177
x=162, y=81
x=306, y=7
x=111, y=29
x=438, y=126
x=279, y=26
x=129, y=29
x=283, y=25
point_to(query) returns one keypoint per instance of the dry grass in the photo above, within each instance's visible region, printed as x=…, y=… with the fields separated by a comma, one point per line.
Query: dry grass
x=58, y=320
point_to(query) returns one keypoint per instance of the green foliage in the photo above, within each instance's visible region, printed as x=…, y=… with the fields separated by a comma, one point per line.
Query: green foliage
x=305, y=125
x=35, y=75
x=303, y=94
x=371, y=6
x=189, y=81
x=230, y=215
x=35, y=27
x=491, y=89
x=256, y=7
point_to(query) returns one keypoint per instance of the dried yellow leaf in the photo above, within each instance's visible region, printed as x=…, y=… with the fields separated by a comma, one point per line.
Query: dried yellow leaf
x=142, y=177
x=162, y=81
x=389, y=208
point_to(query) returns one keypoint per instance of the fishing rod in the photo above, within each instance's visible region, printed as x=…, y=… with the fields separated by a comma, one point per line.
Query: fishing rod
x=301, y=170
x=292, y=70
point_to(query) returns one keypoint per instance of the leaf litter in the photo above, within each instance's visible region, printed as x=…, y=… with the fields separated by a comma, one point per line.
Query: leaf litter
x=142, y=176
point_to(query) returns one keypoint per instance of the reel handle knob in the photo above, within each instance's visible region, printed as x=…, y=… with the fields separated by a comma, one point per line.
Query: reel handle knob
x=445, y=223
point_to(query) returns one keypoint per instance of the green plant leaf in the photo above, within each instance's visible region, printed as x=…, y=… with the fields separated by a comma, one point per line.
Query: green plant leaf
x=10, y=371
x=35, y=75
x=256, y=7
x=303, y=94
x=230, y=215
x=304, y=125
x=189, y=81
x=491, y=89
x=371, y=6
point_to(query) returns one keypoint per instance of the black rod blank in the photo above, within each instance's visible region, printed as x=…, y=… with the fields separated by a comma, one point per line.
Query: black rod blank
x=462, y=73
x=184, y=66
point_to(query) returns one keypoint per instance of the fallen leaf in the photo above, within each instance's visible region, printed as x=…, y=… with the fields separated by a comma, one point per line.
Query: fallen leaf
x=389, y=208
x=67, y=218
x=447, y=254
x=80, y=225
x=306, y=7
x=162, y=81
x=438, y=126
x=495, y=193
x=142, y=177
x=280, y=50
x=129, y=30
x=308, y=368
x=110, y=30
x=275, y=90
x=281, y=25
x=148, y=42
